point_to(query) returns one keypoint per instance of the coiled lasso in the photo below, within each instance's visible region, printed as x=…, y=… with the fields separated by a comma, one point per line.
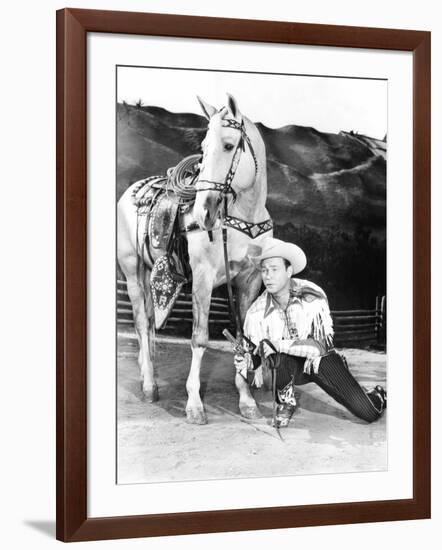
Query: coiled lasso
x=181, y=179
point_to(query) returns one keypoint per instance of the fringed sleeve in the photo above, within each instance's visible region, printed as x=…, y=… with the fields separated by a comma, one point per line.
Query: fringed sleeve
x=317, y=310
x=322, y=323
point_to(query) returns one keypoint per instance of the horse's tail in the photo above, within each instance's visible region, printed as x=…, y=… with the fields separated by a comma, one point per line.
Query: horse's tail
x=144, y=285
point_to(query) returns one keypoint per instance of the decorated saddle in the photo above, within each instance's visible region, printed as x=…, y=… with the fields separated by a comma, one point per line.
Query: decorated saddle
x=158, y=205
x=159, y=200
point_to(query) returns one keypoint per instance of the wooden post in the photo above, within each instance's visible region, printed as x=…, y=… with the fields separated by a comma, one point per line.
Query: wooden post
x=377, y=323
x=383, y=320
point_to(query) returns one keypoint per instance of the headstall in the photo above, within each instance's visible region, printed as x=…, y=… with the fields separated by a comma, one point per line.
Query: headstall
x=225, y=187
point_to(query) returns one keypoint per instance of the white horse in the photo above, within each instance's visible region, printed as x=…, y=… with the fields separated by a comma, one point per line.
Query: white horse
x=233, y=168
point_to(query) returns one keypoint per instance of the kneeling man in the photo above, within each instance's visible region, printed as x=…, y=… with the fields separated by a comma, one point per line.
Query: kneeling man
x=290, y=324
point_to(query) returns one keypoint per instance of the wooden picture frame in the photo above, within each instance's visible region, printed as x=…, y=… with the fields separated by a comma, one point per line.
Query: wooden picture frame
x=73, y=523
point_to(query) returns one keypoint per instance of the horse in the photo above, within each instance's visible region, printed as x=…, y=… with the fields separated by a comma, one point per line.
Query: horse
x=230, y=204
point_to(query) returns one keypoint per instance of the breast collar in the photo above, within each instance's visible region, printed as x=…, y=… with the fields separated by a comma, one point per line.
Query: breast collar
x=252, y=230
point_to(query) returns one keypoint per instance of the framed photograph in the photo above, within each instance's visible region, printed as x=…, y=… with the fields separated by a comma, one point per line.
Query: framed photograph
x=243, y=274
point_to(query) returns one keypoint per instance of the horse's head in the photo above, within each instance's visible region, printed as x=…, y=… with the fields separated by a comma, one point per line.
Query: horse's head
x=229, y=164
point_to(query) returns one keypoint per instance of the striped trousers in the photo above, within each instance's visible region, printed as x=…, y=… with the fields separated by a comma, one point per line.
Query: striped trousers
x=334, y=378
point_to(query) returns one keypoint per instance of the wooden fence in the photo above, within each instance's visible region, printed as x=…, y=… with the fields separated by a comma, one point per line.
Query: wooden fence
x=358, y=326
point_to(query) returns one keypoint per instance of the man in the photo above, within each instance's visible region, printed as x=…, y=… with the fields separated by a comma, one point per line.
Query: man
x=292, y=329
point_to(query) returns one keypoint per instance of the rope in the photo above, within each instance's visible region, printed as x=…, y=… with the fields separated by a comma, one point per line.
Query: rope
x=179, y=182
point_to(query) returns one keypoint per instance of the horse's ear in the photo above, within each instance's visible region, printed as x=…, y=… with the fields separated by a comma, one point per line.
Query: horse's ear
x=208, y=110
x=233, y=106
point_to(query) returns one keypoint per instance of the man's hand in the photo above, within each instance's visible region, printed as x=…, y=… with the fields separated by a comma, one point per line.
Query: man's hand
x=242, y=363
x=268, y=350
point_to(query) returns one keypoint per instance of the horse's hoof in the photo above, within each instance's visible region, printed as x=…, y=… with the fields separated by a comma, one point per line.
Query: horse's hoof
x=196, y=416
x=250, y=412
x=151, y=393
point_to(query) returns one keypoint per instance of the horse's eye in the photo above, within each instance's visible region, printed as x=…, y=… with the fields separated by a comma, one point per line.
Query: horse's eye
x=228, y=147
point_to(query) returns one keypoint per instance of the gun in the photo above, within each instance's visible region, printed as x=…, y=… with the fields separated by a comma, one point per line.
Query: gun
x=241, y=346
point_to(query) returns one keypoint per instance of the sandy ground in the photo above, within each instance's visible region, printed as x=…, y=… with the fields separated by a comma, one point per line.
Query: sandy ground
x=156, y=444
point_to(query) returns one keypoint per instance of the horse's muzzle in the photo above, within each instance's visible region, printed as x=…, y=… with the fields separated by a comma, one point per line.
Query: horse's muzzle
x=207, y=215
x=207, y=220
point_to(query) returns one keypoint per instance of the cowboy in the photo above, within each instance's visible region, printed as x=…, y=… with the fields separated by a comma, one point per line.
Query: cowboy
x=290, y=324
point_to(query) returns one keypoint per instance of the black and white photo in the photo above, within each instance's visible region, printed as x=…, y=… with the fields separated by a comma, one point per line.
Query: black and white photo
x=251, y=274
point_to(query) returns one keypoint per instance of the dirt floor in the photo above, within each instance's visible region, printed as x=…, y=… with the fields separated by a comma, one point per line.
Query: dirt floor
x=156, y=444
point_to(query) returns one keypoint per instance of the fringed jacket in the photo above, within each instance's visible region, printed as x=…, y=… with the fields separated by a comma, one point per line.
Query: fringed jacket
x=303, y=329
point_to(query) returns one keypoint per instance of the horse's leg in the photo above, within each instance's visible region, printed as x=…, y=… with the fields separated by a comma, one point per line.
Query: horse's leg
x=247, y=283
x=201, y=294
x=144, y=322
x=130, y=231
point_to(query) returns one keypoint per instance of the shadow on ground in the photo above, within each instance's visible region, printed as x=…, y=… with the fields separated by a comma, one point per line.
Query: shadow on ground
x=156, y=444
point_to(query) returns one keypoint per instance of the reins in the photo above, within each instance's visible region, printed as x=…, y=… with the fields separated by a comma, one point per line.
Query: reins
x=234, y=313
x=276, y=359
x=225, y=188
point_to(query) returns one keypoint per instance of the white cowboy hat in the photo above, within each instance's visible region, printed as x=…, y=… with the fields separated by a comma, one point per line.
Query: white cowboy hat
x=273, y=248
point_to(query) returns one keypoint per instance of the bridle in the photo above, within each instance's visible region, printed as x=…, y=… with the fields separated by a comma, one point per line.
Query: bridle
x=225, y=187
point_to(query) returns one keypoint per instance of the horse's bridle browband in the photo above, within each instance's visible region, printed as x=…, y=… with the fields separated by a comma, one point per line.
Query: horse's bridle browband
x=225, y=187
